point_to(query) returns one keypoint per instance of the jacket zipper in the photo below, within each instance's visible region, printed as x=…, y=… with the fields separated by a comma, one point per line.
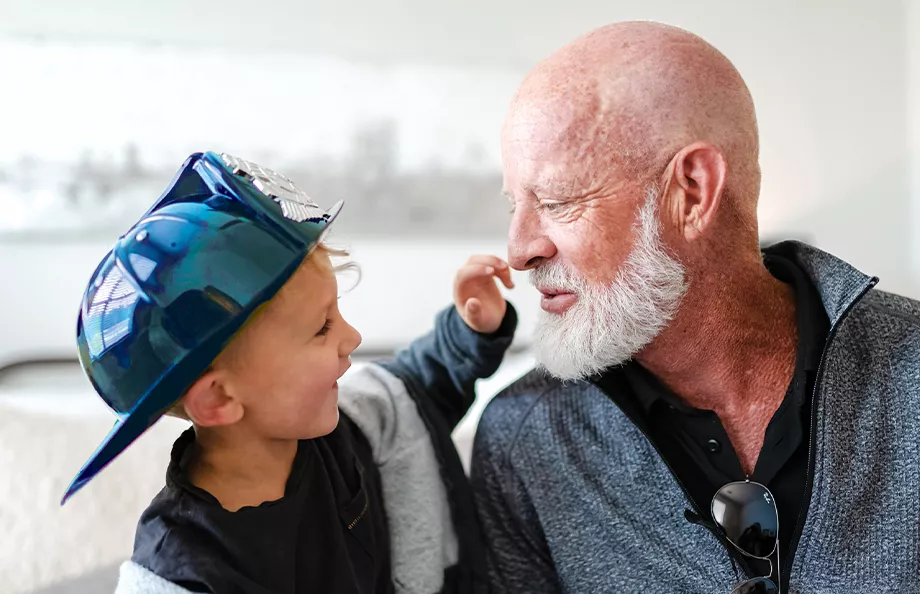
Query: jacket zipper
x=360, y=515
x=731, y=553
x=810, y=475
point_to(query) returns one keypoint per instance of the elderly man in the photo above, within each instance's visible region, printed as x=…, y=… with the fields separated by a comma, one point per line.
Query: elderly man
x=709, y=417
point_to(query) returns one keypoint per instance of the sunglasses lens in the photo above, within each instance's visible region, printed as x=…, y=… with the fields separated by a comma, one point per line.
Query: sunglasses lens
x=757, y=586
x=747, y=514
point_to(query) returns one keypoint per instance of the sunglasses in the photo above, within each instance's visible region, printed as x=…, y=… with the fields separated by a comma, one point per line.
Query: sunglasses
x=747, y=515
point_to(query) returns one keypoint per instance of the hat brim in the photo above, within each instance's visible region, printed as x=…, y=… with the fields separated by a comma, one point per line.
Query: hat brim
x=126, y=430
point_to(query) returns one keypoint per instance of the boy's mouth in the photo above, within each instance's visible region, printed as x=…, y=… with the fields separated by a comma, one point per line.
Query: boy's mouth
x=344, y=371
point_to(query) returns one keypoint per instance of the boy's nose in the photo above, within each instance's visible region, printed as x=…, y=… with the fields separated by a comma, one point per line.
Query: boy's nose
x=352, y=341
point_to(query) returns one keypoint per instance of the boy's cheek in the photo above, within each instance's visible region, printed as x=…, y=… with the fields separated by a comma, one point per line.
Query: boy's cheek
x=326, y=423
x=323, y=419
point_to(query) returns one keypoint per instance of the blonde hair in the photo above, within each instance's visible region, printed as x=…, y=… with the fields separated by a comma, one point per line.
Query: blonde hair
x=178, y=410
x=347, y=266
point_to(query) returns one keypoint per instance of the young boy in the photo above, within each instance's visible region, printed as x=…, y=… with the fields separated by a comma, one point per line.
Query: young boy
x=220, y=305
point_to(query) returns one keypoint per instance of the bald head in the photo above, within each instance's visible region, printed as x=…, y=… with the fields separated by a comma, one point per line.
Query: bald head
x=616, y=105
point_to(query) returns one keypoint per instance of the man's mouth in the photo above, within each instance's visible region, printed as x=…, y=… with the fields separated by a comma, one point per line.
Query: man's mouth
x=557, y=301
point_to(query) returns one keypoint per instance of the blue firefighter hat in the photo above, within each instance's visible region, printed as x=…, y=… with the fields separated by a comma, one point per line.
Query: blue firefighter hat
x=221, y=240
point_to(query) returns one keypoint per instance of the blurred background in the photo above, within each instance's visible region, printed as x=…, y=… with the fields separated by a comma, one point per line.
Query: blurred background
x=394, y=105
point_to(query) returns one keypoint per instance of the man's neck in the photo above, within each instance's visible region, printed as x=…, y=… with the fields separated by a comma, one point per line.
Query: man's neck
x=732, y=350
x=240, y=469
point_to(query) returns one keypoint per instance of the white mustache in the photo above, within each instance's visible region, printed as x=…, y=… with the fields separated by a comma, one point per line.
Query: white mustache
x=556, y=276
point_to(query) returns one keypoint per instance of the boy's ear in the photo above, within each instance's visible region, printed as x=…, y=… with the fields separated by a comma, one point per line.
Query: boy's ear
x=208, y=402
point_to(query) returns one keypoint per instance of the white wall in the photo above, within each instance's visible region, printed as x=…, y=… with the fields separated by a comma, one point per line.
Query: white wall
x=830, y=87
x=508, y=33
x=912, y=24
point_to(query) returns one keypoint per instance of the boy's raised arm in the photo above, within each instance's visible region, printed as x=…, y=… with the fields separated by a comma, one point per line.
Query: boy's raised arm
x=468, y=341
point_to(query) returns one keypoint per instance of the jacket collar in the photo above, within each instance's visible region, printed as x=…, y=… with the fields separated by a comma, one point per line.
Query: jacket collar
x=839, y=284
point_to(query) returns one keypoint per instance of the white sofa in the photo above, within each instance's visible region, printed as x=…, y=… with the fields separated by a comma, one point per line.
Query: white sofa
x=50, y=421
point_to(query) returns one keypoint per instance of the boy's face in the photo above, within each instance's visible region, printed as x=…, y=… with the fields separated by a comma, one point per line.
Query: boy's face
x=283, y=368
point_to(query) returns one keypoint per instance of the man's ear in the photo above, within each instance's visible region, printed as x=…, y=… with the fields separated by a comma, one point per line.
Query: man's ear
x=695, y=188
x=209, y=403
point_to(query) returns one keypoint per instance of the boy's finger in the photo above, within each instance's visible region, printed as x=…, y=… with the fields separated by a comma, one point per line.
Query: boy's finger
x=502, y=270
x=473, y=312
x=504, y=275
x=474, y=271
x=488, y=260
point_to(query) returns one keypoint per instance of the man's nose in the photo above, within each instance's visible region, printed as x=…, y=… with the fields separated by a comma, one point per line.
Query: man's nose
x=528, y=244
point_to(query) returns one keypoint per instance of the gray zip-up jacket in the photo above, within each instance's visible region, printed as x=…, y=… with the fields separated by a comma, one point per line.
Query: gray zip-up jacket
x=574, y=498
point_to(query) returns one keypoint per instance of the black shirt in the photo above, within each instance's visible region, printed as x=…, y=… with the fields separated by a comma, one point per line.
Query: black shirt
x=695, y=445
x=327, y=534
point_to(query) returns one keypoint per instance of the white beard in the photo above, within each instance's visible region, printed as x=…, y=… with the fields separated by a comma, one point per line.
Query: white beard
x=608, y=325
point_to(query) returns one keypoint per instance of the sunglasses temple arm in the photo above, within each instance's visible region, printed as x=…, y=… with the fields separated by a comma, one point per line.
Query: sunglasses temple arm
x=779, y=565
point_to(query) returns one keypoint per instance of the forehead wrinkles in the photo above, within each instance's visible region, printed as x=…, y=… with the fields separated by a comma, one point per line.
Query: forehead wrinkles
x=560, y=120
x=574, y=181
x=567, y=169
x=579, y=137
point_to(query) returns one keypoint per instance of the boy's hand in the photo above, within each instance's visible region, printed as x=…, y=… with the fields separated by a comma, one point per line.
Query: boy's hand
x=476, y=296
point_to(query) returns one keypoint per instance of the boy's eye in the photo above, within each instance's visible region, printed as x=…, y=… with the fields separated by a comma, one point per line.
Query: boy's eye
x=325, y=328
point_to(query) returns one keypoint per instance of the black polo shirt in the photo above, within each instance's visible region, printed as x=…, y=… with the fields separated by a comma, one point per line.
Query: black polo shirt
x=695, y=445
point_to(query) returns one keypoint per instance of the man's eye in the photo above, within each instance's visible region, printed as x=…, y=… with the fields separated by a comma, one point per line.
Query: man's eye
x=325, y=329
x=551, y=206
